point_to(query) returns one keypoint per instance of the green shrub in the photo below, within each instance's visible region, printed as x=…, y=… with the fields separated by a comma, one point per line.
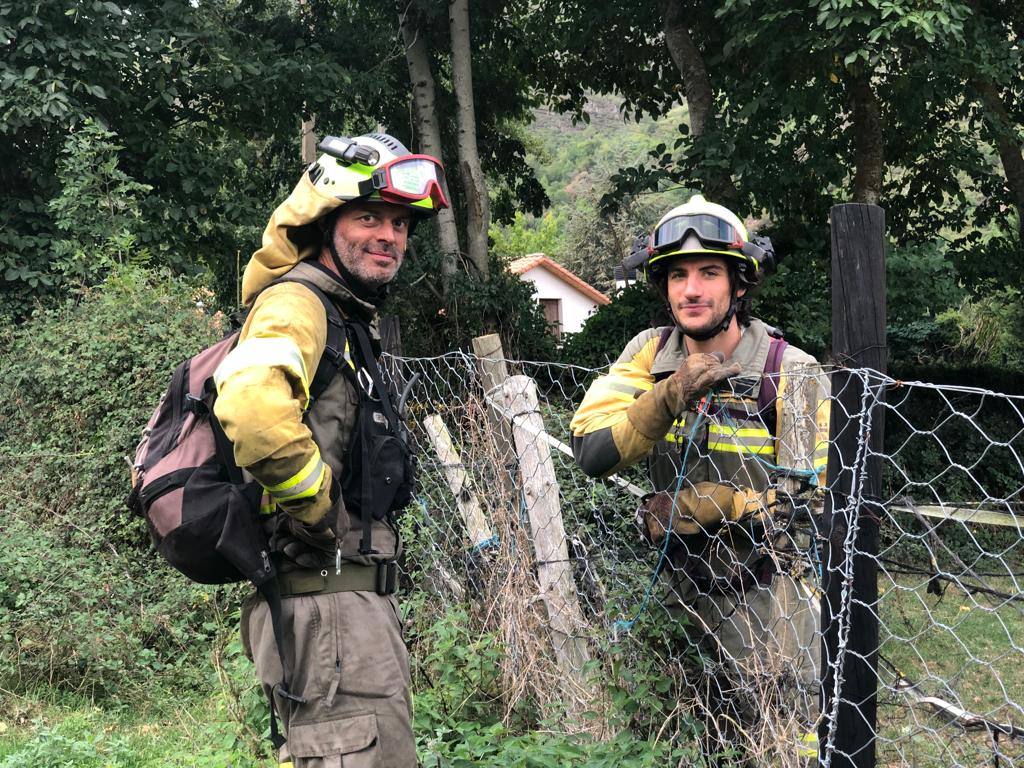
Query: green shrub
x=88, y=604
x=433, y=324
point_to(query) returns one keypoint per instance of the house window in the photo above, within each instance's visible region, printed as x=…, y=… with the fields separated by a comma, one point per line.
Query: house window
x=553, y=315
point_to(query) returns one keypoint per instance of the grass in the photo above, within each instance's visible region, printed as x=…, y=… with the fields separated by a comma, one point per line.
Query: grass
x=168, y=730
x=964, y=649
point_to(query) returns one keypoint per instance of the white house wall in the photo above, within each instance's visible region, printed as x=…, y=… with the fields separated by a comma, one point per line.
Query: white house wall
x=576, y=307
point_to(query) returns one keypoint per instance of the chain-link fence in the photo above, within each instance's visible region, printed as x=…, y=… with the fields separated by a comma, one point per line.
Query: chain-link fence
x=711, y=636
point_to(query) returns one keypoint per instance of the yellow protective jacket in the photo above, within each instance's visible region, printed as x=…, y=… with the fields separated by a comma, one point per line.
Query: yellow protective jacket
x=733, y=444
x=291, y=448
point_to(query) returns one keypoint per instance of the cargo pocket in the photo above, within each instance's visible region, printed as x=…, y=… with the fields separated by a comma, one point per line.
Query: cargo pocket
x=351, y=742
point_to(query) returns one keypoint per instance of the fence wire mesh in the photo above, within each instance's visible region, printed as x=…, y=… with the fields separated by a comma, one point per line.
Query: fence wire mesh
x=713, y=639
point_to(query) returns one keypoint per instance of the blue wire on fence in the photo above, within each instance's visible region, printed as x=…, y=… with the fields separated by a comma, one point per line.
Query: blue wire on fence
x=627, y=624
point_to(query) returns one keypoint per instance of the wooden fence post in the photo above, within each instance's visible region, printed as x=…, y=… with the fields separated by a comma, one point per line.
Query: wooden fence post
x=540, y=490
x=494, y=373
x=469, y=506
x=849, y=686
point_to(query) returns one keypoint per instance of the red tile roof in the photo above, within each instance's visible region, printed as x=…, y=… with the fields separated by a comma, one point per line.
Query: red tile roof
x=525, y=264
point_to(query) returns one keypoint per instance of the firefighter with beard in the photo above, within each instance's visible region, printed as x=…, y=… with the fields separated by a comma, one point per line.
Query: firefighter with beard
x=700, y=401
x=328, y=255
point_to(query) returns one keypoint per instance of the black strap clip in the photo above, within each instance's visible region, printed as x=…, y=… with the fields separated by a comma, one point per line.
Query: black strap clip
x=387, y=578
x=196, y=405
x=284, y=693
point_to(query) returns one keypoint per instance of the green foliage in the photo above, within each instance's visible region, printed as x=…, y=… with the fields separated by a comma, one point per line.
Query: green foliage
x=459, y=722
x=90, y=606
x=160, y=728
x=97, y=209
x=989, y=328
x=526, y=235
x=433, y=324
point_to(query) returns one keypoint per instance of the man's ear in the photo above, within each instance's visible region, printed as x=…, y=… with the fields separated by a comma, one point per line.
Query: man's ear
x=740, y=292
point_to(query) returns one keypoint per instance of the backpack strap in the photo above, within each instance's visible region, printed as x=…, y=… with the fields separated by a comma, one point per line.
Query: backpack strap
x=666, y=334
x=769, y=391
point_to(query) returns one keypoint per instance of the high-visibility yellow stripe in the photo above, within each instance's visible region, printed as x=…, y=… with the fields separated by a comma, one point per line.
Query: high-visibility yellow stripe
x=267, y=352
x=808, y=746
x=304, y=483
x=745, y=432
x=739, y=448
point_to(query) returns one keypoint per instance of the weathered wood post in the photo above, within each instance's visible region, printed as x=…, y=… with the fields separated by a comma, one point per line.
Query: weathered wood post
x=849, y=687
x=541, y=492
x=477, y=527
x=493, y=373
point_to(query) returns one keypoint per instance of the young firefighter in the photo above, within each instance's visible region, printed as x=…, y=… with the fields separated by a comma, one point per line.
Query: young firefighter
x=329, y=513
x=701, y=401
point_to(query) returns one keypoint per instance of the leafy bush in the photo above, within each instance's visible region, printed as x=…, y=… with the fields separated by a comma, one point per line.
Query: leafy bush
x=433, y=324
x=90, y=606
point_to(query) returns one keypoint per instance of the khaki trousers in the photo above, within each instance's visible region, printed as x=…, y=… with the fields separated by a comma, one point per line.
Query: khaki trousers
x=348, y=660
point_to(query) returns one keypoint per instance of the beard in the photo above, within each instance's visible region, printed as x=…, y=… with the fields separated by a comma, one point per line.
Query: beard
x=695, y=330
x=355, y=259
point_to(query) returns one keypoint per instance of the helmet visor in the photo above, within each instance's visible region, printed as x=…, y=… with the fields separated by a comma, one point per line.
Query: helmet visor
x=411, y=178
x=711, y=230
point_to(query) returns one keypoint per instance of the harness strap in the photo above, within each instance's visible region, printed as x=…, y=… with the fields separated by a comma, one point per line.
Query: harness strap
x=769, y=391
x=334, y=350
x=368, y=361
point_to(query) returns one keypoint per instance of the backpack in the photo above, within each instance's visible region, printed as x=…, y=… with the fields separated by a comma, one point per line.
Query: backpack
x=202, y=514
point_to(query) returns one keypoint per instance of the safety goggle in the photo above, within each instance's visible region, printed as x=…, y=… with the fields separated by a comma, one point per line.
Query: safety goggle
x=711, y=230
x=411, y=178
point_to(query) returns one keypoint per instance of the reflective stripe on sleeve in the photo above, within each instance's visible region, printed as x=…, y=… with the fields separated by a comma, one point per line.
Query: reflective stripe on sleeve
x=303, y=484
x=266, y=352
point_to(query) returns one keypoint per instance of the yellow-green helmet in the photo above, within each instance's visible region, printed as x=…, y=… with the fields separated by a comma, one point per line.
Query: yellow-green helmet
x=377, y=166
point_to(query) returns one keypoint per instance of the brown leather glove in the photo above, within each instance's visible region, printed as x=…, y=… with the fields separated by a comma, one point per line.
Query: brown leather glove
x=654, y=411
x=702, y=507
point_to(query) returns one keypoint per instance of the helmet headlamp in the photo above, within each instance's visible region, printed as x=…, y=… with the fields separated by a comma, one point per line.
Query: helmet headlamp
x=348, y=151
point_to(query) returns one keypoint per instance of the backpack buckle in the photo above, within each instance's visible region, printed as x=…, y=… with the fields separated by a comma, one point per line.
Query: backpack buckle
x=196, y=405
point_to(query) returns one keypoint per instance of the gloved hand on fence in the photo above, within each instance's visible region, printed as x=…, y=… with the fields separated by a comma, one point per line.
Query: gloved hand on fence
x=654, y=411
x=701, y=507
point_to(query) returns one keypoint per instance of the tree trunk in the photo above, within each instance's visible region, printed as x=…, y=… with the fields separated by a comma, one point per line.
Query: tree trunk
x=308, y=140
x=868, y=142
x=999, y=122
x=425, y=111
x=478, y=209
x=700, y=96
x=307, y=146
